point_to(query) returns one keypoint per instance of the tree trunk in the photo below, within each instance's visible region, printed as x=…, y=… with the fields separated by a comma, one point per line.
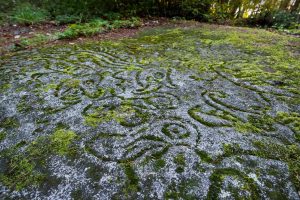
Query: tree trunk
x=295, y=6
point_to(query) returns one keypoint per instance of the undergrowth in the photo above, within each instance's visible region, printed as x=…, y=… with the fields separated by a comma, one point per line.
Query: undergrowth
x=28, y=14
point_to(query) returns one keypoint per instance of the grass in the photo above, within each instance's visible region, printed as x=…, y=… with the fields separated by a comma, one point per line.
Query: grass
x=97, y=26
x=67, y=19
x=87, y=29
x=74, y=31
x=28, y=14
x=129, y=23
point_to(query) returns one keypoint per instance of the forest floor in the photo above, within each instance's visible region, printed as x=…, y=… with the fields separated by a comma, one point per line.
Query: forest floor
x=11, y=36
x=14, y=37
x=173, y=110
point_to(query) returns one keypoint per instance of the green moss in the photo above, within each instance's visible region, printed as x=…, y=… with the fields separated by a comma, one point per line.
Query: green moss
x=159, y=164
x=21, y=174
x=291, y=119
x=2, y=136
x=61, y=141
x=158, y=154
x=231, y=149
x=94, y=173
x=24, y=106
x=179, y=160
x=72, y=83
x=37, y=39
x=193, y=113
x=9, y=122
x=286, y=153
x=26, y=168
x=4, y=87
x=204, y=156
x=132, y=182
x=255, y=124
x=49, y=87
x=263, y=122
x=248, y=127
x=121, y=114
x=170, y=131
x=132, y=68
x=219, y=175
x=77, y=194
x=181, y=190
x=61, y=126
x=102, y=115
x=297, y=137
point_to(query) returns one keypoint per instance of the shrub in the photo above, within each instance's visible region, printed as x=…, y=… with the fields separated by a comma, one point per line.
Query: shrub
x=87, y=29
x=284, y=19
x=130, y=23
x=28, y=14
x=99, y=22
x=112, y=16
x=67, y=19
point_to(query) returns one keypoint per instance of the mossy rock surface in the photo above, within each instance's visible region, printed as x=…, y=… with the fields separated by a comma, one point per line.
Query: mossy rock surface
x=208, y=112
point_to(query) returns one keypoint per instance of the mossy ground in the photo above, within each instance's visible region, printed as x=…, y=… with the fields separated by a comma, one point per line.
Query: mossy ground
x=26, y=168
x=193, y=112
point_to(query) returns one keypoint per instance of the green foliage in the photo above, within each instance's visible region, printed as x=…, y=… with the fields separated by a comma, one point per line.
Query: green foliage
x=196, y=9
x=87, y=29
x=284, y=19
x=129, y=23
x=67, y=19
x=112, y=16
x=263, y=13
x=28, y=14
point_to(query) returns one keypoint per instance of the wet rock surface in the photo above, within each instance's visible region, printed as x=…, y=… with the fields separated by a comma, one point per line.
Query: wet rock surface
x=134, y=120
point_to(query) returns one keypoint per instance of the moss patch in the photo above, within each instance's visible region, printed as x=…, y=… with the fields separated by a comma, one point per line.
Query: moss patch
x=27, y=168
x=2, y=136
x=9, y=122
x=5, y=87
x=289, y=154
x=179, y=160
x=220, y=174
x=61, y=141
x=124, y=114
x=132, y=182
